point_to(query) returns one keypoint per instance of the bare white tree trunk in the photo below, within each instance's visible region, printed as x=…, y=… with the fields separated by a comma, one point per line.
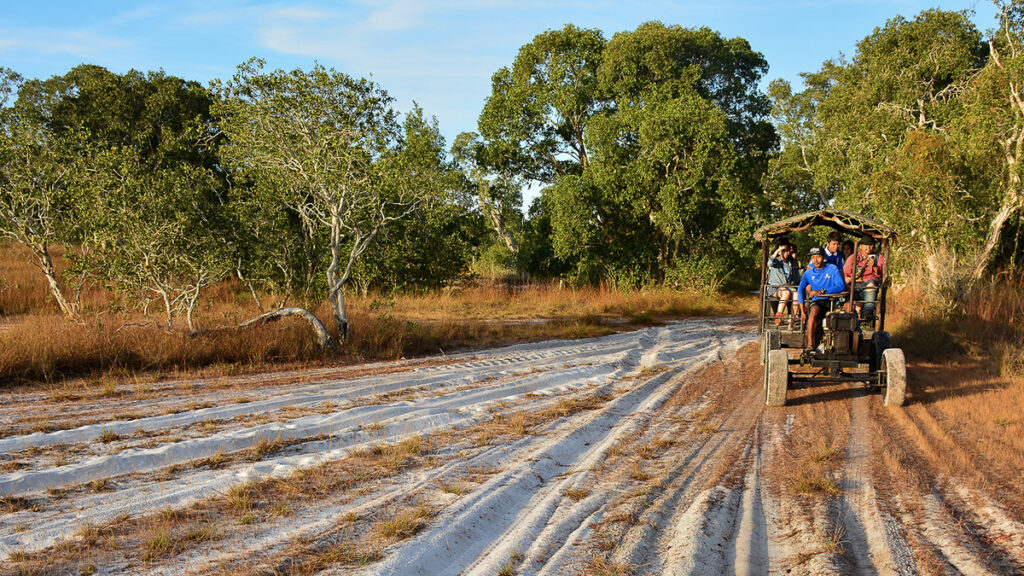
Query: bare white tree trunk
x=168, y=309
x=334, y=283
x=191, y=298
x=45, y=264
x=1010, y=206
x=324, y=339
x=252, y=290
x=498, y=223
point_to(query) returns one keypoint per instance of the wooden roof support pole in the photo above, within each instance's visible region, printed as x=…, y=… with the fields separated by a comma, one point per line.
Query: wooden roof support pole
x=764, y=277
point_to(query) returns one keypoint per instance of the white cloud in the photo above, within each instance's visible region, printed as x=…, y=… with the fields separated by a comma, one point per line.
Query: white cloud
x=79, y=43
x=397, y=15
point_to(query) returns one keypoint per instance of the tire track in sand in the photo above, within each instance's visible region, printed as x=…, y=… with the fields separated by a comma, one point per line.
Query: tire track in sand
x=873, y=543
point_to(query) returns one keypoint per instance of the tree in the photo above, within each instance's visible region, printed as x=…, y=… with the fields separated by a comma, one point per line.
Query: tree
x=675, y=151
x=994, y=125
x=329, y=141
x=794, y=181
x=499, y=195
x=37, y=206
x=881, y=134
x=155, y=232
x=153, y=113
x=433, y=245
x=131, y=178
x=534, y=123
x=532, y=127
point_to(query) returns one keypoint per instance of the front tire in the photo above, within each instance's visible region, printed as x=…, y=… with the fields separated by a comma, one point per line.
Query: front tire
x=776, y=378
x=770, y=340
x=894, y=377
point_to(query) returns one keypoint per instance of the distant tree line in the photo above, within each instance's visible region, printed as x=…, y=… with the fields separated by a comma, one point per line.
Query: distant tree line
x=655, y=154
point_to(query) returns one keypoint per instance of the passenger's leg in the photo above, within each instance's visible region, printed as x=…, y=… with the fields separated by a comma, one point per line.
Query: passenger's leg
x=813, y=319
x=784, y=296
x=869, y=294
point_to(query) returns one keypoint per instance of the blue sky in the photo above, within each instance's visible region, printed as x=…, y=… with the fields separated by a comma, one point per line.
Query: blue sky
x=440, y=53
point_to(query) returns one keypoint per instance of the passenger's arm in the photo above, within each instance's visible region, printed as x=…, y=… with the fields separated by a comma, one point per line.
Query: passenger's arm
x=837, y=286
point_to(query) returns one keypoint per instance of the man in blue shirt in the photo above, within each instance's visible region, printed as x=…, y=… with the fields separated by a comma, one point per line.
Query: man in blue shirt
x=822, y=278
x=833, y=250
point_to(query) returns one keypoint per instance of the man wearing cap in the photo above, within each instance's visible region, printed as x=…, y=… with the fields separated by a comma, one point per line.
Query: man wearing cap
x=822, y=278
x=865, y=271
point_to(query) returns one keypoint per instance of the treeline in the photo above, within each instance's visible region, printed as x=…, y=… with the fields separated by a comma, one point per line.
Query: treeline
x=655, y=152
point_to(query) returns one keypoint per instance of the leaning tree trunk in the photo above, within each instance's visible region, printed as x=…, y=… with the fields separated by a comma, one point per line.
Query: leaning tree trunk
x=323, y=337
x=334, y=283
x=1011, y=204
x=45, y=264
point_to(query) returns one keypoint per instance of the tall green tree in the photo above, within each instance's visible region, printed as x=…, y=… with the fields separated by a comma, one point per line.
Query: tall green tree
x=156, y=233
x=653, y=143
x=535, y=120
x=880, y=134
x=138, y=173
x=38, y=206
x=434, y=244
x=330, y=142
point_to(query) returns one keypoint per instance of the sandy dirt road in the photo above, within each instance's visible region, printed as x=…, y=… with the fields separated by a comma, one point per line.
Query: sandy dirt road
x=646, y=452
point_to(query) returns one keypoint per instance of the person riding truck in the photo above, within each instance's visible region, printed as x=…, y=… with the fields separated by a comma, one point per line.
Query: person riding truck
x=864, y=271
x=822, y=278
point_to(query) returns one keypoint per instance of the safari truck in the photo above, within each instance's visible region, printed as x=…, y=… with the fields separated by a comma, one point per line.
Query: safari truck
x=854, y=346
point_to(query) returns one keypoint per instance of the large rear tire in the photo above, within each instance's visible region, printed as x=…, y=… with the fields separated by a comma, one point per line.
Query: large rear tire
x=880, y=342
x=776, y=378
x=894, y=379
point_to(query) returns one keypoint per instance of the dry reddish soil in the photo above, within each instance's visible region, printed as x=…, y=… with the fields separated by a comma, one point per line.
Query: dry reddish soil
x=647, y=452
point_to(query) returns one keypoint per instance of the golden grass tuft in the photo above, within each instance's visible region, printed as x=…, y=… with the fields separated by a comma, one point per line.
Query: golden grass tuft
x=239, y=497
x=402, y=524
x=265, y=446
x=457, y=487
x=107, y=436
x=601, y=566
x=577, y=494
x=156, y=545
x=14, y=504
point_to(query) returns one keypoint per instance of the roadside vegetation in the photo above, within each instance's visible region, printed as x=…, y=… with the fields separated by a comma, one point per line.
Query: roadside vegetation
x=108, y=344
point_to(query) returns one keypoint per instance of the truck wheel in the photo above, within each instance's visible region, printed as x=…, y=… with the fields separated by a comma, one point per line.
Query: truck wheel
x=770, y=340
x=776, y=378
x=880, y=342
x=894, y=378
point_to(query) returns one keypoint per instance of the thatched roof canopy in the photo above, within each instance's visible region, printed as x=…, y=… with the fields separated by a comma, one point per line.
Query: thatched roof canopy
x=847, y=222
